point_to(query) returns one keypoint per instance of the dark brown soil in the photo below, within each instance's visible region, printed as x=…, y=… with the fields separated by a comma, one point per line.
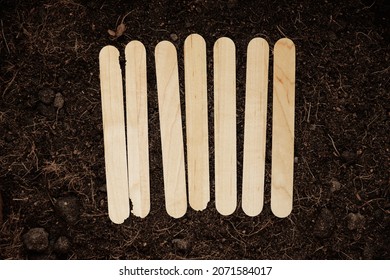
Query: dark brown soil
x=51, y=157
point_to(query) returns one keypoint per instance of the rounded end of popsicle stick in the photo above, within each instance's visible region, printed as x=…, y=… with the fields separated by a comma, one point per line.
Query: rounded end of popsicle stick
x=165, y=45
x=117, y=218
x=117, y=221
x=285, y=42
x=225, y=209
x=142, y=212
x=108, y=50
x=118, y=206
x=253, y=210
x=224, y=41
x=177, y=212
x=134, y=45
x=281, y=209
x=198, y=206
x=194, y=37
x=258, y=42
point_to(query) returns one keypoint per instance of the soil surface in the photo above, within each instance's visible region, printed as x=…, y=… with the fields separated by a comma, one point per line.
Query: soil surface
x=52, y=176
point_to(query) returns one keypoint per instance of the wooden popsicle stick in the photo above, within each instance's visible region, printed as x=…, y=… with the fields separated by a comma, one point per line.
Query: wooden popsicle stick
x=195, y=70
x=114, y=134
x=283, y=128
x=225, y=126
x=137, y=128
x=255, y=126
x=171, y=129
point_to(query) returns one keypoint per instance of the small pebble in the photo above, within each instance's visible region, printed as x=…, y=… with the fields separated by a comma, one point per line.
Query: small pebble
x=356, y=221
x=324, y=224
x=36, y=239
x=59, y=101
x=69, y=209
x=336, y=186
x=62, y=245
x=181, y=244
x=46, y=96
x=174, y=37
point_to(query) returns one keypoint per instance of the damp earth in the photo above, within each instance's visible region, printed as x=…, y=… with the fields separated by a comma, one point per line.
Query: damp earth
x=53, y=201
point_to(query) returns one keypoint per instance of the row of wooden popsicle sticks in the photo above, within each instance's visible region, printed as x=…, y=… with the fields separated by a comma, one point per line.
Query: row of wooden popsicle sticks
x=126, y=146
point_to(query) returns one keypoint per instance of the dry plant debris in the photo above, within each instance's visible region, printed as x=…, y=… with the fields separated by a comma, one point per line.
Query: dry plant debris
x=120, y=29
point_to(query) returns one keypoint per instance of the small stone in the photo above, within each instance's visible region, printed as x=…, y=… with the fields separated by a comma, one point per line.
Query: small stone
x=356, y=221
x=181, y=244
x=174, y=37
x=46, y=96
x=62, y=245
x=69, y=209
x=46, y=111
x=36, y=239
x=59, y=101
x=336, y=186
x=324, y=224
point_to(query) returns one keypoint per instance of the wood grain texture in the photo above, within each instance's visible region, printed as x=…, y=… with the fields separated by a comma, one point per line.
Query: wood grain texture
x=137, y=128
x=114, y=134
x=171, y=129
x=195, y=72
x=283, y=128
x=255, y=126
x=225, y=126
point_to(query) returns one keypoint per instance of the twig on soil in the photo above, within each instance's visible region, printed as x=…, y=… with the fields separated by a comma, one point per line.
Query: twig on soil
x=334, y=146
x=277, y=26
x=243, y=243
x=381, y=71
x=308, y=111
x=308, y=167
x=10, y=83
x=120, y=29
x=130, y=242
x=5, y=40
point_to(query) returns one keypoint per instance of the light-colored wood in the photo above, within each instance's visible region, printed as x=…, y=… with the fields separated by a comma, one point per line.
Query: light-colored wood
x=137, y=128
x=195, y=69
x=225, y=126
x=255, y=126
x=283, y=128
x=114, y=135
x=171, y=129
